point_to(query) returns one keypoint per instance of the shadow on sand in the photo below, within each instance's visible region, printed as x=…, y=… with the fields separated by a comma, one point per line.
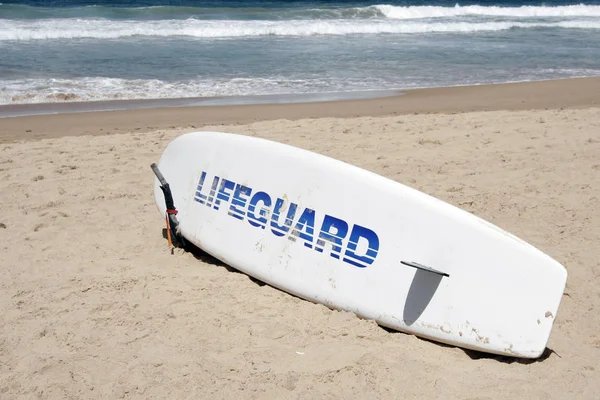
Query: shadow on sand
x=480, y=355
x=203, y=256
x=416, y=303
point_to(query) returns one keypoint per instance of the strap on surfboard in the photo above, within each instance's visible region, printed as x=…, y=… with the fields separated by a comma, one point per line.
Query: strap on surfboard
x=173, y=236
x=424, y=268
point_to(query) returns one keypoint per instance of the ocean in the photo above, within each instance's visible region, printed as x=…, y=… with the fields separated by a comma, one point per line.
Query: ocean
x=68, y=50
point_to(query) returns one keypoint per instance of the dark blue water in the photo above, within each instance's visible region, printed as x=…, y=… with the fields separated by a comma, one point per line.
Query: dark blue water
x=81, y=50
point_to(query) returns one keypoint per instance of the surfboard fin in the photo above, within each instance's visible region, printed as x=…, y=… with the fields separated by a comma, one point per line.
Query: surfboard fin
x=424, y=268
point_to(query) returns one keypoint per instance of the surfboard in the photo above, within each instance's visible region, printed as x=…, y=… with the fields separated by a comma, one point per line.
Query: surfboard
x=332, y=233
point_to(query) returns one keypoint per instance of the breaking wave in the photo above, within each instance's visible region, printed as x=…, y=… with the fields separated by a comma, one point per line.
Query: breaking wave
x=102, y=29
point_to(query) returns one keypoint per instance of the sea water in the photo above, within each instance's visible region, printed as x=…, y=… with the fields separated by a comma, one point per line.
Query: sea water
x=74, y=50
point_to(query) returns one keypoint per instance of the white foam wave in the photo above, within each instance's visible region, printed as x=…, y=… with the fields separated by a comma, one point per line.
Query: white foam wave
x=24, y=91
x=52, y=90
x=102, y=29
x=416, y=12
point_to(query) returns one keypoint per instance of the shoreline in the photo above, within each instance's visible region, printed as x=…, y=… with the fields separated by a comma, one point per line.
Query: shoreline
x=27, y=110
x=551, y=94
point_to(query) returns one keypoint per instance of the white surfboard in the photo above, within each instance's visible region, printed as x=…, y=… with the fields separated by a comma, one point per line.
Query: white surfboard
x=335, y=234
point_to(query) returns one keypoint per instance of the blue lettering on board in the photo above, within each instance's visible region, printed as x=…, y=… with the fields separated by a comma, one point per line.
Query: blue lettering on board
x=211, y=195
x=355, y=259
x=238, y=203
x=223, y=194
x=200, y=198
x=276, y=227
x=340, y=228
x=259, y=220
x=353, y=244
x=305, y=228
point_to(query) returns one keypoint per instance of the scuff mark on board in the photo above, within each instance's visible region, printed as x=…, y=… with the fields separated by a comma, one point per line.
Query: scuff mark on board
x=480, y=338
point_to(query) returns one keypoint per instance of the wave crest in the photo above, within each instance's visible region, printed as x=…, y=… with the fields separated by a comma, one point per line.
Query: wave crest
x=101, y=29
x=417, y=12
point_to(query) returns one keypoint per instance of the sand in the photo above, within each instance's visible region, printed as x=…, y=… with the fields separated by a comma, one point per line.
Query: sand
x=94, y=305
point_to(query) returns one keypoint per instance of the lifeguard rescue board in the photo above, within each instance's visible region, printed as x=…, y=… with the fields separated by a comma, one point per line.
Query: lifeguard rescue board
x=335, y=234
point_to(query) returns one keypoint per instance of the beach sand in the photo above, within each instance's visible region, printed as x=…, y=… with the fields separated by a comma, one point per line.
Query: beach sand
x=94, y=305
